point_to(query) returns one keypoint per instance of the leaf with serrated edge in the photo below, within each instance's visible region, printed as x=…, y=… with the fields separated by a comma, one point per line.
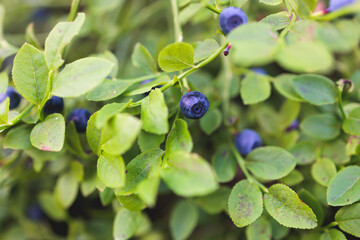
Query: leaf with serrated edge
x=284, y=205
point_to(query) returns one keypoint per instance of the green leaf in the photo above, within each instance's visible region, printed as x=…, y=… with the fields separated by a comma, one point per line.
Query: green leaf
x=108, y=89
x=211, y=121
x=305, y=56
x=349, y=219
x=106, y=196
x=278, y=20
x=270, y=163
x=224, y=164
x=107, y=112
x=30, y=73
x=351, y=124
x=304, y=152
x=93, y=134
x=125, y=224
x=283, y=204
x=294, y=178
x=147, y=190
x=271, y=2
x=340, y=37
x=49, y=135
x=315, y=89
x=123, y=129
x=289, y=112
x=60, y=36
x=4, y=110
x=140, y=168
x=142, y=59
x=81, y=76
x=179, y=138
x=302, y=8
x=188, y=175
x=253, y=44
x=154, y=113
x=259, y=230
x=284, y=85
x=18, y=138
x=147, y=141
x=176, y=56
x=245, y=203
x=313, y=203
x=278, y=231
x=4, y=81
x=336, y=152
x=183, y=220
x=238, y=3
x=66, y=189
x=344, y=188
x=204, y=49
x=332, y=234
x=189, y=12
x=255, y=88
x=111, y=171
x=131, y=202
x=215, y=202
x=323, y=171
x=72, y=140
x=324, y=126
x=51, y=207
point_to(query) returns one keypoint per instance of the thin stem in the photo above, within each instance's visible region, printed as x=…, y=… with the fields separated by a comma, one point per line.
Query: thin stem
x=22, y=114
x=177, y=26
x=330, y=225
x=212, y=8
x=225, y=94
x=73, y=10
x=336, y=14
x=242, y=165
x=288, y=28
x=341, y=106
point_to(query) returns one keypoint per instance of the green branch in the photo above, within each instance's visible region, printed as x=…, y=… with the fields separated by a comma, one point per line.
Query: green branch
x=242, y=165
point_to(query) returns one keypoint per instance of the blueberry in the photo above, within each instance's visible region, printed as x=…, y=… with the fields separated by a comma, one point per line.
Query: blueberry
x=14, y=96
x=146, y=81
x=336, y=4
x=246, y=141
x=80, y=117
x=231, y=18
x=7, y=63
x=294, y=125
x=194, y=104
x=35, y=213
x=259, y=71
x=54, y=105
x=40, y=15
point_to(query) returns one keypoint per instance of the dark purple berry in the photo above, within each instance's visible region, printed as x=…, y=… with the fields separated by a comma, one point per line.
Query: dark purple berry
x=231, y=18
x=54, y=105
x=80, y=118
x=293, y=126
x=194, y=105
x=15, y=97
x=246, y=141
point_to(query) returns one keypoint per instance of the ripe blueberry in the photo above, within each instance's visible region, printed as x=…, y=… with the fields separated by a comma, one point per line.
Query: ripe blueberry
x=294, y=125
x=35, y=213
x=194, y=104
x=14, y=96
x=231, y=18
x=246, y=141
x=259, y=71
x=80, y=117
x=54, y=105
x=336, y=4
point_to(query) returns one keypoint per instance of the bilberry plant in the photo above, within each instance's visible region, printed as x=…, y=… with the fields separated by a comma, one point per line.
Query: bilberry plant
x=80, y=117
x=54, y=105
x=231, y=18
x=246, y=141
x=13, y=95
